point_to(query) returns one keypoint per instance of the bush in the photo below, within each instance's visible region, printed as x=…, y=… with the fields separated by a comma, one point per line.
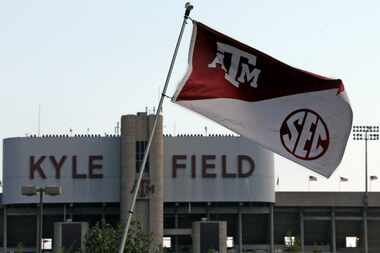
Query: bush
x=103, y=238
x=19, y=248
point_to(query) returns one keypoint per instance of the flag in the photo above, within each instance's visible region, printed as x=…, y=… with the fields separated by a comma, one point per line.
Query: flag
x=312, y=178
x=297, y=114
x=373, y=177
x=343, y=179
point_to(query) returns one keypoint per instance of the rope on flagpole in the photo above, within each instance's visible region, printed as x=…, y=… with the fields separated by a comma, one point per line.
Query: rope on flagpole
x=167, y=96
x=188, y=8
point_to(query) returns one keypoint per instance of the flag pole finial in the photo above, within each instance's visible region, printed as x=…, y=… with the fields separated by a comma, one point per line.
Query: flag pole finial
x=188, y=7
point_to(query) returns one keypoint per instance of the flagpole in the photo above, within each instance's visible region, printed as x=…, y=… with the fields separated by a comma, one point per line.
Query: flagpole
x=188, y=8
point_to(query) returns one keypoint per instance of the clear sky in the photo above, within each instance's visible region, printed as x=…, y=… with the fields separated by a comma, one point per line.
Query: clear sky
x=88, y=62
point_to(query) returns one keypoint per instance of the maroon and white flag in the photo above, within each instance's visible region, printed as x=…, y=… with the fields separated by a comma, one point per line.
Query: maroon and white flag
x=302, y=116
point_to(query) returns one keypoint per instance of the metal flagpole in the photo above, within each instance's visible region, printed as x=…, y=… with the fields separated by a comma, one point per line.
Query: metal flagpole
x=188, y=7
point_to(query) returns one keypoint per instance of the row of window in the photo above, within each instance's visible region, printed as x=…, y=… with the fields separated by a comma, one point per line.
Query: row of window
x=256, y=230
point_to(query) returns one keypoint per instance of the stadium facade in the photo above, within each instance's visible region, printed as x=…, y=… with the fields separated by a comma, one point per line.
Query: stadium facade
x=197, y=191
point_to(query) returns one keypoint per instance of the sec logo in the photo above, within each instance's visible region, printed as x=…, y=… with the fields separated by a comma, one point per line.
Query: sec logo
x=305, y=135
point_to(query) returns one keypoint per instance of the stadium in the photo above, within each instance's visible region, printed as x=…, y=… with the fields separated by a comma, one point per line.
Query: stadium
x=197, y=192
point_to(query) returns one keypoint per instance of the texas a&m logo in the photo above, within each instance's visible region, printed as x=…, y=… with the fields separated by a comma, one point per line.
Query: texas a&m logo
x=304, y=134
x=239, y=66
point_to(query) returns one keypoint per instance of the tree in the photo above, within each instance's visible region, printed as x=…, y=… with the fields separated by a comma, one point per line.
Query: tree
x=138, y=241
x=19, y=248
x=316, y=248
x=103, y=238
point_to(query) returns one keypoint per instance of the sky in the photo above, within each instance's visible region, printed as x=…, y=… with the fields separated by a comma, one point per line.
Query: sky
x=85, y=63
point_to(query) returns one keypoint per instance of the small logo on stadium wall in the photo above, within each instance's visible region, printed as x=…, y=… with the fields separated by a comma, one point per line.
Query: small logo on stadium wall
x=305, y=135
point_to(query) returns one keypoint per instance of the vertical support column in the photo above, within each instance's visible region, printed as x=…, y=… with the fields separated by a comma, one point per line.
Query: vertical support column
x=240, y=230
x=222, y=231
x=104, y=212
x=365, y=221
x=302, y=230
x=5, y=229
x=149, y=205
x=37, y=231
x=208, y=211
x=128, y=163
x=176, y=226
x=41, y=224
x=271, y=217
x=333, y=230
x=156, y=195
x=196, y=236
x=64, y=212
x=71, y=209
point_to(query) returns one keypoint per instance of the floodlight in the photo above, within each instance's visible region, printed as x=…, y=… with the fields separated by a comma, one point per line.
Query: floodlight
x=53, y=190
x=28, y=190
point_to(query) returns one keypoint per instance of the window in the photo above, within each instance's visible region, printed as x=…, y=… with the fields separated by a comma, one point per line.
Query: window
x=352, y=241
x=167, y=242
x=289, y=241
x=140, y=150
x=47, y=243
x=230, y=242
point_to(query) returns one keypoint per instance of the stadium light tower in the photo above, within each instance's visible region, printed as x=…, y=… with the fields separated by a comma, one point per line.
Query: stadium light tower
x=32, y=191
x=366, y=133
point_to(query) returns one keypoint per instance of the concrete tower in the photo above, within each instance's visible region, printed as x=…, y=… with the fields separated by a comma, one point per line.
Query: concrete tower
x=135, y=130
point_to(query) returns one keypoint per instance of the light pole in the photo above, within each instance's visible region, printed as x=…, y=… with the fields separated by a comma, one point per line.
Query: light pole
x=366, y=133
x=32, y=191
